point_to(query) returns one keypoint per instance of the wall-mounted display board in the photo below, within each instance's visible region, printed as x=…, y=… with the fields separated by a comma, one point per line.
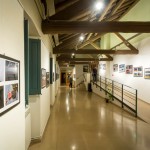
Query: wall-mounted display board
x=129, y=69
x=47, y=79
x=43, y=78
x=85, y=68
x=102, y=66
x=9, y=83
x=115, y=67
x=147, y=73
x=122, y=68
x=138, y=71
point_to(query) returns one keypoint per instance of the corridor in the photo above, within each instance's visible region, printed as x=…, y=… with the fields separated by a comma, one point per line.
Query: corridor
x=81, y=120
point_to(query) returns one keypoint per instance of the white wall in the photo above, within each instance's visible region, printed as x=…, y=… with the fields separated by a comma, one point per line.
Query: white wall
x=40, y=104
x=142, y=59
x=12, y=123
x=79, y=73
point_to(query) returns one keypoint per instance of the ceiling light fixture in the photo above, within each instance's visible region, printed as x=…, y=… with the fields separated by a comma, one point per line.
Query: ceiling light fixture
x=99, y=5
x=81, y=38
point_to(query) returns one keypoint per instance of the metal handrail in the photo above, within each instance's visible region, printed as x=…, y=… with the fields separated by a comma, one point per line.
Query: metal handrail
x=126, y=95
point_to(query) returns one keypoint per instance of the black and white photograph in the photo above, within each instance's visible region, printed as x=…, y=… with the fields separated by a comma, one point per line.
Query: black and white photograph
x=11, y=71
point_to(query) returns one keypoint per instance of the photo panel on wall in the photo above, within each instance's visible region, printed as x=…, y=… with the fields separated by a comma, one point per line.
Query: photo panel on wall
x=147, y=73
x=129, y=69
x=9, y=83
x=138, y=71
x=121, y=68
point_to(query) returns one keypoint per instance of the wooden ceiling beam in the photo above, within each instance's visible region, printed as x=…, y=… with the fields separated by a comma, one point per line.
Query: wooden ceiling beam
x=93, y=51
x=129, y=45
x=78, y=63
x=83, y=59
x=72, y=11
x=64, y=27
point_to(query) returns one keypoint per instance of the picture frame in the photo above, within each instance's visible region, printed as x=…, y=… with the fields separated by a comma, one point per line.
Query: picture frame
x=9, y=83
x=104, y=66
x=85, y=68
x=121, y=68
x=115, y=67
x=47, y=79
x=138, y=71
x=147, y=73
x=43, y=78
x=129, y=69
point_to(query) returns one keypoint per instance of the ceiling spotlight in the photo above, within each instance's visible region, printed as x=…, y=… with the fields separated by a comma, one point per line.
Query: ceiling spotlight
x=99, y=6
x=81, y=38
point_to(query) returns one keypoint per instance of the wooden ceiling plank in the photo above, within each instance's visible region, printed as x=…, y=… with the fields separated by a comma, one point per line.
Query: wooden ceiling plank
x=103, y=14
x=117, y=6
x=72, y=11
x=63, y=5
x=106, y=10
x=55, y=27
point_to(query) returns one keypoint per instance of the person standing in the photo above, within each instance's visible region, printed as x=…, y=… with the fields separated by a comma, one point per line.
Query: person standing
x=94, y=74
x=70, y=82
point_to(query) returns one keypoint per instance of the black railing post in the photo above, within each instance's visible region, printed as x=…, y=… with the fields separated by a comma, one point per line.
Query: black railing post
x=112, y=90
x=122, y=95
x=96, y=80
x=105, y=86
x=136, y=104
x=100, y=83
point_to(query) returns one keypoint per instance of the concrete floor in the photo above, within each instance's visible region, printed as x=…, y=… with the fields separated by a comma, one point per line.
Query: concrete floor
x=84, y=121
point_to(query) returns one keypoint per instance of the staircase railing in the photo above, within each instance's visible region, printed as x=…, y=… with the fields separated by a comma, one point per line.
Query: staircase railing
x=124, y=94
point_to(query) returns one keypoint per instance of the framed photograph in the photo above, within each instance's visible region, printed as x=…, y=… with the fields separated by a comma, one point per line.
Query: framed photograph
x=115, y=67
x=47, y=79
x=9, y=83
x=147, y=73
x=104, y=66
x=138, y=71
x=43, y=78
x=122, y=68
x=129, y=69
x=85, y=68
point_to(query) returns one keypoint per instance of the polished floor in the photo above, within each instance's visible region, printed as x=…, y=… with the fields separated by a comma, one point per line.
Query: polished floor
x=83, y=121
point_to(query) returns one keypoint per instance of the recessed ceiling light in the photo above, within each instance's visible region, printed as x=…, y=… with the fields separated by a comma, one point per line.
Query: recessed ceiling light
x=99, y=6
x=81, y=38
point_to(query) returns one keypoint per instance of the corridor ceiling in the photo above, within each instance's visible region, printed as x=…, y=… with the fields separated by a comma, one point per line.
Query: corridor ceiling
x=76, y=18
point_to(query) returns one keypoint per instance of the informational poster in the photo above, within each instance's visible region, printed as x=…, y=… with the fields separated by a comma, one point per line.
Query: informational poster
x=9, y=83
